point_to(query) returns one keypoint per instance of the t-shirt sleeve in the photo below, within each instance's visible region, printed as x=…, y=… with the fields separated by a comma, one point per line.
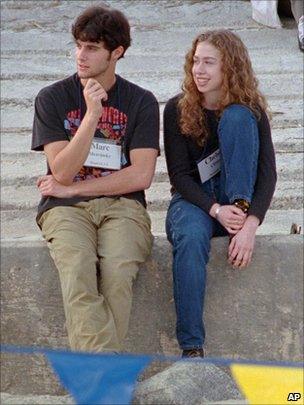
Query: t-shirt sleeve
x=178, y=161
x=48, y=126
x=266, y=175
x=146, y=131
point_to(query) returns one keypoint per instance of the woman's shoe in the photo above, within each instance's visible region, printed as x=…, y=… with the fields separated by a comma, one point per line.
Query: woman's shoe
x=193, y=353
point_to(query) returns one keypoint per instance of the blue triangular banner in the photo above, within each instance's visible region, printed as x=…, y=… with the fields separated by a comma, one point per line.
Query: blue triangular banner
x=98, y=379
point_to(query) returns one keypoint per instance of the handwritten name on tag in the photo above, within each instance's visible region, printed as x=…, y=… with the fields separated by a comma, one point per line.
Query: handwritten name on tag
x=209, y=166
x=104, y=155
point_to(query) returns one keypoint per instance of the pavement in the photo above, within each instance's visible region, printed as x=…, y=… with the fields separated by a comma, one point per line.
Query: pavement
x=37, y=49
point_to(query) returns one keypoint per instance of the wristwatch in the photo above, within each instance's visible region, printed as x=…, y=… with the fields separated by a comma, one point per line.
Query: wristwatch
x=242, y=204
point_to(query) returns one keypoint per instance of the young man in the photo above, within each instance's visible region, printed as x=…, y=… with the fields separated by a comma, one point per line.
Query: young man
x=100, y=136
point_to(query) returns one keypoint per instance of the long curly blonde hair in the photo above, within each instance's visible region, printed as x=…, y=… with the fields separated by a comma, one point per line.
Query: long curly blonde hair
x=240, y=86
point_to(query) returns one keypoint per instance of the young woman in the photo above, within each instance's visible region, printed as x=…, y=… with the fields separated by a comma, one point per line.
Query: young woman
x=221, y=166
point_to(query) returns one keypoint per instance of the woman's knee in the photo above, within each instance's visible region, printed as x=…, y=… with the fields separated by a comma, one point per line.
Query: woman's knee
x=236, y=115
x=189, y=225
x=193, y=236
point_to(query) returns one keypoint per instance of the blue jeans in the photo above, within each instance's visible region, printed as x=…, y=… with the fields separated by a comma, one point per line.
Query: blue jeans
x=190, y=229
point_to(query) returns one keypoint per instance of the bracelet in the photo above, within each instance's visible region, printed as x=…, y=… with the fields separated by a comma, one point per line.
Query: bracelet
x=217, y=211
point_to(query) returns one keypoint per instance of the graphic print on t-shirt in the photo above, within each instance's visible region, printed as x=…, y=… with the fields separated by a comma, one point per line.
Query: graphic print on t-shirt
x=112, y=126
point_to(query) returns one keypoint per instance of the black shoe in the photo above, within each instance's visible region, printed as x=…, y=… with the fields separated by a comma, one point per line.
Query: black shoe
x=193, y=353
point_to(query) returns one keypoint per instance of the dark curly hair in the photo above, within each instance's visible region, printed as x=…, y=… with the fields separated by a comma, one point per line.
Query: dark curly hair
x=102, y=23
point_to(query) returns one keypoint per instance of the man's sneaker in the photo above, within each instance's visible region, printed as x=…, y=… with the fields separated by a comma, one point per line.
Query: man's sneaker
x=193, y=353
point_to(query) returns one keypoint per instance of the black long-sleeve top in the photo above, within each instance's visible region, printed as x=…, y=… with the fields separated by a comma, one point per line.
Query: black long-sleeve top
x=182, y=154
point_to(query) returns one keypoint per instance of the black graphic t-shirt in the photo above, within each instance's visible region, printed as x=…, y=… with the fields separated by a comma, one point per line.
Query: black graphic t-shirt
x=130, y=118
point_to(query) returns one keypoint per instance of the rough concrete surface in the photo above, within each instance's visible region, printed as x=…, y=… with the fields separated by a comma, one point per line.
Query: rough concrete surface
x=256, y=313
x=187, y=383
x=250, y=314
x=8, y=399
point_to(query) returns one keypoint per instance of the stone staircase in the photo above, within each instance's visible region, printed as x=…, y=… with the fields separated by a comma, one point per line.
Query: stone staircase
x=37, y=49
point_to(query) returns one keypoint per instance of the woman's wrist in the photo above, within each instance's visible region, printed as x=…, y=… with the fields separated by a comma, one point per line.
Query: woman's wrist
x=252, y=222
x=214, y=210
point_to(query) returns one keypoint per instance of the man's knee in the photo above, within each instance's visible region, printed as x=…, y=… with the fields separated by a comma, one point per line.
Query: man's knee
x=117, y=276
x=75, y=256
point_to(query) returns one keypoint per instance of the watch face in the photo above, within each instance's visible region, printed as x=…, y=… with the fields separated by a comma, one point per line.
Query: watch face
x=242, y=204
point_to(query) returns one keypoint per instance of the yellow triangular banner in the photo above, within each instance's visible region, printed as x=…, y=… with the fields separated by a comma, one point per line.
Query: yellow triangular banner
x=270, y=385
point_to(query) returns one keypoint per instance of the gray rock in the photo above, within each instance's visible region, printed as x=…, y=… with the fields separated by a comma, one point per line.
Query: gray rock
x=187, y=382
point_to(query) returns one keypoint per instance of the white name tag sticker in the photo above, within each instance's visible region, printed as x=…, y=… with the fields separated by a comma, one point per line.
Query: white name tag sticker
x=209, y=166
x=104, y=154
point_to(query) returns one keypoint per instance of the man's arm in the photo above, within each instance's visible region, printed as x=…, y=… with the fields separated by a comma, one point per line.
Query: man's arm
x=137, y=176
x=66, y=158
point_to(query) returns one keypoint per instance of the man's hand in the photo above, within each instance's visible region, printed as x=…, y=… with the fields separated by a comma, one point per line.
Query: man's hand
x=94, y=94
x=232, y=218
x=48, y=186
x=241, y=245
x=66, y=158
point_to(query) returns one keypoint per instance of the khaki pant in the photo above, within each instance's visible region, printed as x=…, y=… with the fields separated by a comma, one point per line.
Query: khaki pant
x=114, y=234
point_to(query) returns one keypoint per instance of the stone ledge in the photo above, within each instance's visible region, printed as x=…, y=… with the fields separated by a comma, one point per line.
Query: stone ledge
x=255, y=313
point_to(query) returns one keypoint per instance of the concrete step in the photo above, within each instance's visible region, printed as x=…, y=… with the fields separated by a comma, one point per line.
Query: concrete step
x=171, y=14
x=163, y=79
x=150, y=37
x=21, y=225
x=276, y=222
x=17, y=116
x=22, y=169
x=133, y=63
x=163, y=83
x=287, y=196
x=285, y=140
x=258, y=312
x=7, y=399
x=17, y=196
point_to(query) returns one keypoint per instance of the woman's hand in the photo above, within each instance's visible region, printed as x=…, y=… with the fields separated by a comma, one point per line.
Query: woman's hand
x=231, y=217
x=241, y=245
x=48, y=186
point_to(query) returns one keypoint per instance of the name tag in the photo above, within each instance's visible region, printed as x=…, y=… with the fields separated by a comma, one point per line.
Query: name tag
x=104, y=154
x=209, y=166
